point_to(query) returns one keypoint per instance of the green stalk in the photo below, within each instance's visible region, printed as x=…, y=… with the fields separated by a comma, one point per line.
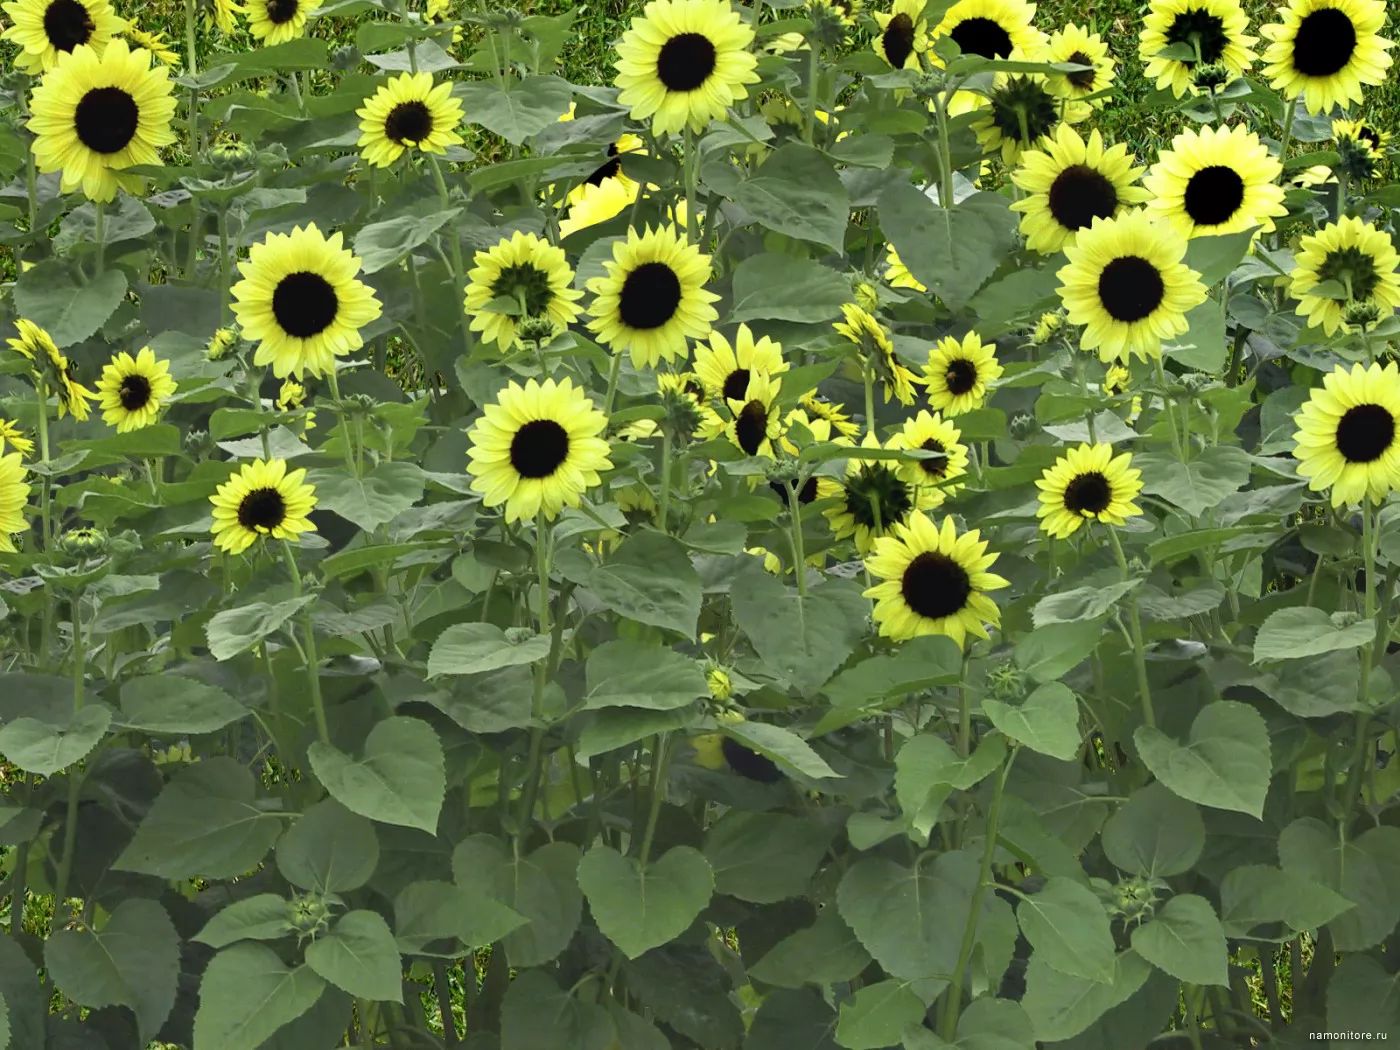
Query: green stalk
x=70, y=827
x=100, y=209
x=660, y=753
x=1369, y=652
x=1135, y=630
x=313, y=661
x=664, y=504
x=45, y=508
x=809, y=117
x=869, y=399
x=945, y=157
x=454, y=248
x=613, y=372
x=689, y=172
x=532, y=767
x=799, y=553
x=1167, y=410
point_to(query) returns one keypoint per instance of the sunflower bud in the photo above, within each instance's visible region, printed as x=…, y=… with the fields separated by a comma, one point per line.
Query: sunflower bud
x=682, y=414
x=222, y=343
x=229, y=154
x=309, y=914
x=345, y=58
x=721, y=685
x=197, y=443
x=1195, y=382
x=1211, y=77
x=538, y=329
x=84, y=543
x=828, y=29
x=1047, y=325
x=867, y=297
x=1022, y=427
x=1006, y=681
x=1362, y=316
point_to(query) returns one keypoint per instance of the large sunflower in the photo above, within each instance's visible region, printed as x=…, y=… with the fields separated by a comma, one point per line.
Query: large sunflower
x=275, y=22
x=1357, y=263
x=519, y=278
x=1326, y=50
x=755, y=421
x=1070, y=183
x=1127, y=285
x=724, y=369
x=874, y=497
x=1348, y=435
x=933, y=582
x=1215, y=181
x=301, y=301
x=45, y=29
x=903, y=34
x=94, y=115
x=959, y=373
x=862, y=330
x=134, y=389
x=537, y=448
x=653, y=297
x=1022, y=114
x=684, y=63
x=1088, y=483
x=53, y=369
x=932, y=433
x=407, y=112
x=1075, y=44
x=14, y=497
x=991, y=28
x=1216, y=30
x=262, y=499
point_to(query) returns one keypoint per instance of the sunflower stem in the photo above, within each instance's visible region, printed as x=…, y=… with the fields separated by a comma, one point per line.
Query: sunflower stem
x=1135, y=632
x=799, y=553
x=313, y=662
x=1355, y=769
x=613, y=372
x=1167, y=409
x=689, y=169
x=70, y=826
x=531, y=784
x=809, y=118
x=100, y=234
x=454, y=246
x=224, y=281
x=869, y=399
x=660, y=752
x=664, y=504
x=45, y=507
x=945, y=160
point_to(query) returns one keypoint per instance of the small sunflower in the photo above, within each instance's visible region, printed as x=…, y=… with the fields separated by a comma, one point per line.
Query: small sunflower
x=12, y=434
x=14, y=497
x=1348, y=436
x=930, y=432
x=53, y=369
x=877, y=351
x=1070, y=183
x=1046, y=325
x=653, y=297
x=1313, y=176
x=1326, y=51
x=407, y=112
x=439, y=12
x=537, y=448
x=903, y=34
x=262, y=499
x=1115, y=384
x=301, y=301
x=897, y=274
x=221, y=343
x=1215, y=30
x=1215, y=181
x=1088, y=483
x=724, y=370
x=1354, y=262
x=275, y=22
x=874, y=497
x=1127, y=285
x=683, y=63
x=715, y=751
x=834, y=415
x=991, y=28
x=721, y=686
x=223, y=15
x=94, y=115
x=133, y=390
x=933, y=582
x=521, y=277
x=589, y=204
x=155, y=43
x=959, y=373
x=755, y=421
x=1366, y=136
x=292, y=398
x=45, y=29
x=1075, y=44
x=1022, y=114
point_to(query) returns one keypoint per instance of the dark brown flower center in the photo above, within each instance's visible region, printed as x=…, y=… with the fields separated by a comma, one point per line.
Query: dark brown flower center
x=262, y=509
x=1079, y=195
x=1365, y=433
x=280, y=12
x=651, y=294
x=1324, y=43
x=67, y=24
x=135, y=392
x=751, y=427
x=304, y=304
x=897, y=41
x=960, y=376
x=686, y=61
x=1214, y=195
x=1088, y=493
x=408, y=122
x=539, y=448
x=106, y=119
x=935, y=586
x=982, y=36
x=1130, y=288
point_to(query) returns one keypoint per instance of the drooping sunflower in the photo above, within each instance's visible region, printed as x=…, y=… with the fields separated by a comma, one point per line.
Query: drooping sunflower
x=223, y=14
x=221, y=343
x=537, y=449
x=991, y=28
x=653, y=297
x=1349, y=255
x=154, y=42
x=1022, y=114
x=262, y=499
x=1360, y=147
x=45, y=29
x=877, y=351
x=53, y=369
x=724, y=370
x=301, y=301
x=1046, y=325
x=755, y=421
x=94, y=115
x=835, y=415
x=683, y=63
x=1116, y=383
x=408, y=112
x=1326, y=51
x=1127, y=285
x=525, y=275
x=292, y=398
x=1216, y=30
x=1348, y=436
x=1313, y=176
x=959, y=373
x=1088, y=483
x=874, y=497
x=133, y=390
x=845, y=10
x=275, y=22
x=439, y=12
x=933, y=582
x=897, y=274
x=1077, y=45
x=1215, y=181
x=1070, y=183
x=930, y=432
x=590, y=205
x=13, y=435
x=14, y=497
x=903, y=34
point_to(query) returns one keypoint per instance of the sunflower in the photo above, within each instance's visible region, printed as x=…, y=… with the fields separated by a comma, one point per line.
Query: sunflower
x=1313, y=176
x=1215, y=181
x=834, y=415
x=1077, y=45
x=724, y=369
x=1088, y=482
x=991, y=28
x=897, y=274
x=821, y=432
x=930, y=432
x=45, y=29
x=1115, y=384
x=1356, y=260
x=275, y=22
x=439, y=12
x=933, y=582
x=155, y=43
x=1127, y=285
x=903, y=34
x=610, y=171
x=221, y=343
x=1021, y=114
x=14, y=497
x=537, y=449
x=715, y=751
x=866, y=333
x=301, y=301
x=590, y=205
x=134, y=389
x=653, y=297
x=262, y=499
x=1360, y=147
x=519, y=278
x=1070, y=183
x=845, y=10
x=1347, y=434
x=1326, y=50
x=406, y=112
x=755, y=422
x=1046, y=325
x=12, y=434
x=53, y=369
x=1216, y=30
x=93, y=115
x=683, y=63
x=223, y=14
x=959, y=373
x=292, y=398
x=874, y=497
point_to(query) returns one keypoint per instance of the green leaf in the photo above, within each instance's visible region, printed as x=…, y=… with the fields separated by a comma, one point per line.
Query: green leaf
x=792, y=1019
x=1257, y=894
x=1155, y=833
x=1082, y=603
x=69, y=311
x=132, y=961
x=787, y=288
x=1061, y=1006
x=1067, y=926
x=877, y=1014
x=537, y=1015
x=990, y=1023
x=329, y=849
x=951, y=252
x=176, y=704
x=542, y=886
x=246, y=995
x=27, y=1006
x=372, y=499
x=797, y=192
x=639, y=909
x=615, y=727
x=232, y=631
x=1225, y=763
x=41, y=747
x=929, y=660
x=515, y=109
x=1054, y=650
x=1184, y=939
x=649, y=579
x=1203, y=346
x=264, y=917
x=382, y=244
x=359, y=956
x=400, y=779
x=473, y=648
x=827, y=952
x=624, y=673
x=1316, y=686
x=1363, y=997
x=1046, y=721
x=432, y=910
x=1290, y=634
x=803, y=639
x=1215, y=258
x=928, y=770
x=783, y=746
x=1205, y=482
x=764, y=857
x=206, y=823
x=1365, y=871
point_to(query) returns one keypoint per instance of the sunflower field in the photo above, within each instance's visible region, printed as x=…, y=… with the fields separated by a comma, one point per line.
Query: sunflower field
x=871, y=525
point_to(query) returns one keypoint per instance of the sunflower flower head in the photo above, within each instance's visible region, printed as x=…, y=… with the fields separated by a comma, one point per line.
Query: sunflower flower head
x=1348, y=437
x=221, y=343
x=45, y=29
x=959, y=374
x=755, y=422
x=724, y=368
x=408, y=112
x=274, y=22
x=1088, y=483
x=991, y=28
x=873, y=497
x=133, y=390
x=903, y=34
x=833, y=415
x=947, y=455
x=1344, y=263
x=14, y=497
x=1021, y=114
x=1360, y=146
x=1178, y=36
x=521, y=277
x=897, y=274
x=1076, y=45
x=1215, y=181
x=1327, y=51
x=154, y=42
x=861, y=329
x=12, y=434
x=262, y=499
x=51, y=369
x=1046, y=325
